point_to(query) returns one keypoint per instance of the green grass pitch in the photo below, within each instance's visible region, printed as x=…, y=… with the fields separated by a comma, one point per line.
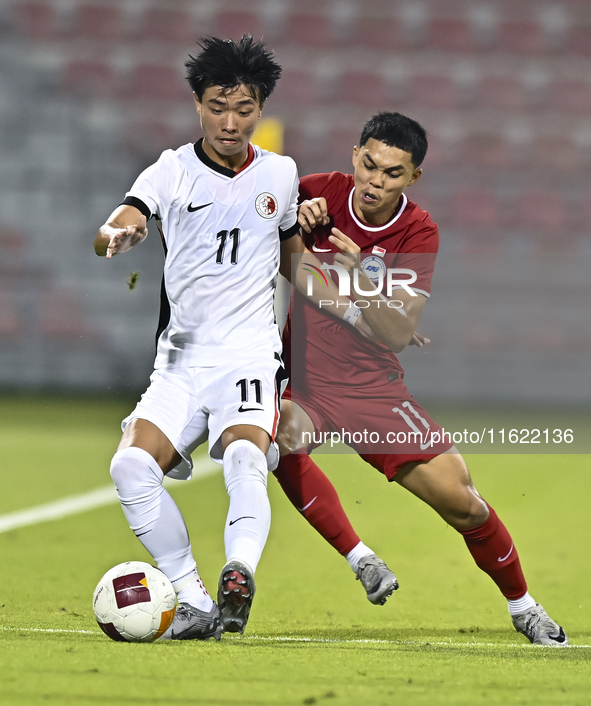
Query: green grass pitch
x=313, y=638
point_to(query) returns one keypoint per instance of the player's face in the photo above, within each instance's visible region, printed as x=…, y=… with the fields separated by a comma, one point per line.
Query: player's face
x=228, y=119
x=381, y=175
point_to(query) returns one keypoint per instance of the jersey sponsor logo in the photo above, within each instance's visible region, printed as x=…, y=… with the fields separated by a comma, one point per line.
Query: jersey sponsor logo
x=374, y=268
x=315, y=248
x=266, y=205
x=242, y=408
x=192, y=209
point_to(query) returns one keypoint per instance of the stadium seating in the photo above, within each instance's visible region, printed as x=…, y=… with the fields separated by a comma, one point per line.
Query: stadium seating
x=570, y=96
x=156, y=82
x=451, y=35
x=542, y=212
x=96, y=21
x=169, y=25
x=36, y=20
x=476, y=208
x=234, y=24
x=90, y=78
x=521, y=37
x=311, y=30
x=364, y=88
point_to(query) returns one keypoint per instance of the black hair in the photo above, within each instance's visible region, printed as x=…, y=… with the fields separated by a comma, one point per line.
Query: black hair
x=226, y=63
x=397, y=130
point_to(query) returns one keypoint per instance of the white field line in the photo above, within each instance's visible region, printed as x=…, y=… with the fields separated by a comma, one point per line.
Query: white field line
x=75, y=504
x=323, y=641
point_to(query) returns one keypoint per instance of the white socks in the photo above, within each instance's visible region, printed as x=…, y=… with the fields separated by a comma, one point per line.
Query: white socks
x=157, y=522
x=356, y=554
x=521, y=604
x=249, y=515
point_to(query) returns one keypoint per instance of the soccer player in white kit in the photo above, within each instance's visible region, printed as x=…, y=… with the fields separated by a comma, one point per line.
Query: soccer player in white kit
x=227, y=213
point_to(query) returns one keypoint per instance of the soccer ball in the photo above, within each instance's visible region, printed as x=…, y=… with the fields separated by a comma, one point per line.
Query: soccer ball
x=134, y=602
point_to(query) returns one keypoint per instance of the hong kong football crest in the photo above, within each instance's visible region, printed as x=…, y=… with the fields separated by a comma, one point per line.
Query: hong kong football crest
x=266, y=205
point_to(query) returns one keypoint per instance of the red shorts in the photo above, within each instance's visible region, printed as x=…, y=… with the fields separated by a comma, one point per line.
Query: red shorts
x=388, y=430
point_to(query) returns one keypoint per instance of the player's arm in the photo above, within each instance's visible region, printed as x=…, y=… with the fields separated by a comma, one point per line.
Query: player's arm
x=294, y=258
x=124, y=228
x=393, y=326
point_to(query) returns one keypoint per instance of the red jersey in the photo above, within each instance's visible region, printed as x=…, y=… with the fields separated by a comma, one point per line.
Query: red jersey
x=321, y=350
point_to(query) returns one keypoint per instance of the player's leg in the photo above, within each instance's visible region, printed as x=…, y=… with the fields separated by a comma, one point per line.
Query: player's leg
x=445, y=484
x=314, y=496
x=144, y=456
x=243, y=400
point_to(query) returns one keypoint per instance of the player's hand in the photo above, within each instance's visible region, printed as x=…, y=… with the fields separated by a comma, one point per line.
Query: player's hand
x=418, y=340
x=349, y=255
x=123, y=239
x=312, y=213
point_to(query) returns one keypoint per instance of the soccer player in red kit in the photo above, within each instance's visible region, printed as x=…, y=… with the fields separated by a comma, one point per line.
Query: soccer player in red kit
x=342, y=381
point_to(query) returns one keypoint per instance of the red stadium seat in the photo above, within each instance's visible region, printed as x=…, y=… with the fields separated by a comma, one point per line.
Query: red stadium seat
x=570, y=96
x=313, y=30
x=453, y=35
x=169, y=26
x=433, y=91
x=296, y=85
x=553, y=153
x=579, y=41
x=382, y=34
x=502, y=93
x=157, y=81
x=90, y=78
x=34, y=19
x=97, y=21
x=61, y=315
x=364, y=88
x=487, y=150
x=476, y=208
x=542, y=212
x=9, y=318
x=233, y=25
x=521, y=38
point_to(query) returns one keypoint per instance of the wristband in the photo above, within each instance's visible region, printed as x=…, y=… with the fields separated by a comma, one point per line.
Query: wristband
x=352, y=313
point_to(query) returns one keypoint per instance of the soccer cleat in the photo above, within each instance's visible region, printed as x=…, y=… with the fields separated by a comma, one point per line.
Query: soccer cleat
x=236, y=590
x=190, y=623
x=377, y=579
x=539, y=628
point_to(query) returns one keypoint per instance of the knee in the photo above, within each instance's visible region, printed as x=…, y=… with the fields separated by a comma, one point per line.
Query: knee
x=244, y=461
x=134, y=471
x=473, y=513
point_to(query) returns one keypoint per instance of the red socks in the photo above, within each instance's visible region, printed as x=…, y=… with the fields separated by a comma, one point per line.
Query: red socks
x=314, y=496
x=493, y=551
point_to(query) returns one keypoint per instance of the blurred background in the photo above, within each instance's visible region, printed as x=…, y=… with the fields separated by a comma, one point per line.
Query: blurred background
x=92, y=91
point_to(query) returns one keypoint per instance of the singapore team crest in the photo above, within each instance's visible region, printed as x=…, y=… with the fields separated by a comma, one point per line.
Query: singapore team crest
x=266, y=205
x=374, y=268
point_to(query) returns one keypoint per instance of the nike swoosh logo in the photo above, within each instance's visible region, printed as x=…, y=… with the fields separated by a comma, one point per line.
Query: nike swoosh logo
x=301, y=509
x=192, y=209
x=507, y=556
x=315, y=248
x=250, y=409
x=246, y=517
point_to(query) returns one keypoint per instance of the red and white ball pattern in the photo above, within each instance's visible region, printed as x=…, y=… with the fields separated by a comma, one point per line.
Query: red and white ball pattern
x=134, y=602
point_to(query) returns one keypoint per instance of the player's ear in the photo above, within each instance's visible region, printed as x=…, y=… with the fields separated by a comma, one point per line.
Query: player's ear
x=355, y=155
x=416, y=175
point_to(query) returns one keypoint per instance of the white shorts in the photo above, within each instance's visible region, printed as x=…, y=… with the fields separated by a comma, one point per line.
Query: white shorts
x=189, y=405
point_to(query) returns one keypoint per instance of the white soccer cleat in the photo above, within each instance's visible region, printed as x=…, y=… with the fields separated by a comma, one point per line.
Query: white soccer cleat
x=539, y=628
x=377, y=579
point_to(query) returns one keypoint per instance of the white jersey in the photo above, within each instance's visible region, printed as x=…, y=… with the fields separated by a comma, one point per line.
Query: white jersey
x=221, y=233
